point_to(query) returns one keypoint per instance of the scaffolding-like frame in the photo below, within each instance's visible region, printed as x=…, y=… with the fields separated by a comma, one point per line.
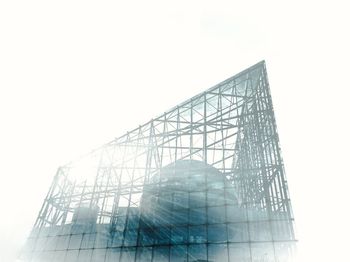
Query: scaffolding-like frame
x=230, y=127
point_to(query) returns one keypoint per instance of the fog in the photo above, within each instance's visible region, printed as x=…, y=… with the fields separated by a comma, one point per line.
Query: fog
x=76, y=74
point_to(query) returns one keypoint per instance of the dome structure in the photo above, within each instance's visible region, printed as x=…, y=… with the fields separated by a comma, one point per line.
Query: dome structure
x=181, y=192
x=185, y=203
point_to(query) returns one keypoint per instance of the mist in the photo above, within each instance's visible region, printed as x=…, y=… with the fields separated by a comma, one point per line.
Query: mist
x=75, y=75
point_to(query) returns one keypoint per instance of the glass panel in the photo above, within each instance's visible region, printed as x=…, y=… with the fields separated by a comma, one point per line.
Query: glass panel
x=162, y=216
x=43, y=232
x=238, y=232
x=66, y=229
x=198, y=216
x=180, y=200
x=48, y=256
x=161, y=254
x=62, y=242
x=133, y=222
x=51, y=243
x=75, y=241
x=84, y=255
x=134, y=211
x=197, y=199
x=197, y=252
x=260, y=231
x=235, y=214
x=217, y=233
x=144, y=254
x=59, y=256
x=179, y=235
x=98, y=255
x=53, y=231
x=281, y=230
x=179, y=217
x=101, y=240
x=120, y=224
x=178, y=253
x=41, y=242
x=146, y=237
x=217, y=183
x=113, y=254
x=128, y=255
x=257, y=215
x=217, y=252
x=117, y=239
x=130, y=237
x=239, y=252
x=165, y=200
x=216, y=197
x=197, y=234
x=263, y=252
x=230, y=197
x=216, y=214
x=162, y=235
x=88, y=241
x=280, y=215
x=79, y=229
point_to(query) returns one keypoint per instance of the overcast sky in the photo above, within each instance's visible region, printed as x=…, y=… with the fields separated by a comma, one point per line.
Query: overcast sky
x=76, y=74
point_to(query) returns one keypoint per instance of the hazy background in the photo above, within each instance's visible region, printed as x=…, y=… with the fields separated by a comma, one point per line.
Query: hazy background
x=76, y=74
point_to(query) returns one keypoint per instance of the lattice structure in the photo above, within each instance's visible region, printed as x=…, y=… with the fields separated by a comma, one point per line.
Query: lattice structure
x=213, y=162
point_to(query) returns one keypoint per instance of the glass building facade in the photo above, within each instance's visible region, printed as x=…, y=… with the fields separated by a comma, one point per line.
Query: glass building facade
x=203, y=182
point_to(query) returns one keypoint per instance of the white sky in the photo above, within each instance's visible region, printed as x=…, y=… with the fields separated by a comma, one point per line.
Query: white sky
x=76, y=74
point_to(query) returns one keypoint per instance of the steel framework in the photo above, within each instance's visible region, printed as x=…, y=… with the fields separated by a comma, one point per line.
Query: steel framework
x=230, y=127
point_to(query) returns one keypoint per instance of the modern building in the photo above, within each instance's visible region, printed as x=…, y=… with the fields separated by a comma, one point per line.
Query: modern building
x=203, y=182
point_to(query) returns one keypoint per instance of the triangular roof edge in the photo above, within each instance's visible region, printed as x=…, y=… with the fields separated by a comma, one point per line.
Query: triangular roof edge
x=257, y=65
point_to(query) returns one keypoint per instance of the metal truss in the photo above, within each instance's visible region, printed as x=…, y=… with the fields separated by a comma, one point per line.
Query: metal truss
x=230, y=127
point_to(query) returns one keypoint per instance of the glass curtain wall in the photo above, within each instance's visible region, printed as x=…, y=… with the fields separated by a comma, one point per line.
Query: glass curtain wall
x=205, y=181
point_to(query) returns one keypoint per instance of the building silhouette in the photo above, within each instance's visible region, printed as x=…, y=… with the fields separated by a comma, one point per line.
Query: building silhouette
x=203, y=182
